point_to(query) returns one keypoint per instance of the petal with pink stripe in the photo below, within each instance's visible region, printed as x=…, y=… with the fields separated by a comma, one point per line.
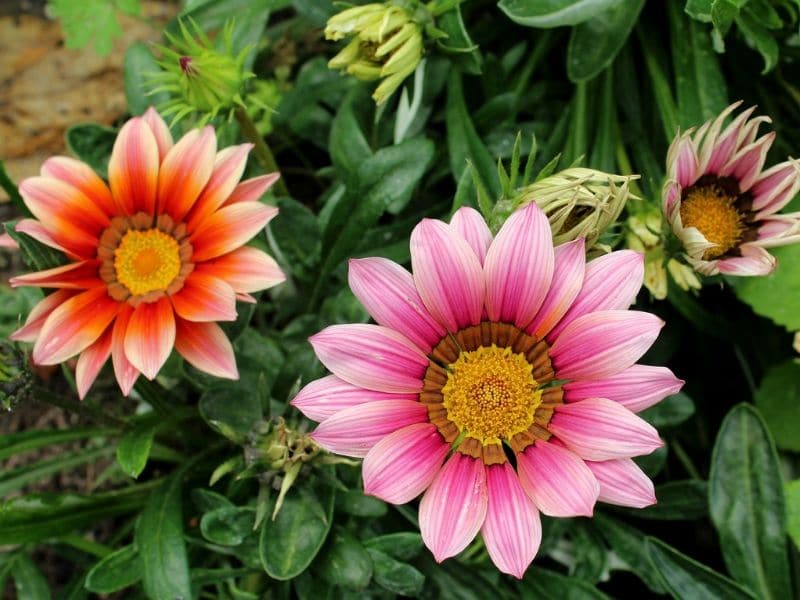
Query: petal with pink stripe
x=185, y=171
x=91, y=361
x=623, y=483
x=205, y=298
x=160, y=131
x=133, y=168
x=124, y=371
x=150, y=336
x=38, y=315
x=470, y=225
x=246, y=269
x=228, y=168
x=206, y=346
x=638, y=387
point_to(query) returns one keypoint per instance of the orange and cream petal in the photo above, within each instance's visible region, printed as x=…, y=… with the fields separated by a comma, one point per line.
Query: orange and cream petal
x=74, y=325
x=205, y=298
x=91, y=361
x=124, y=371
x=246, y=270
x=82, y=177
x=160, y=131
x=251, y=190
x=74, y=276
x=206, y=347
x=229, y=165
x=150, y=336
x=38, y=315
x=133, y=168
x=37, y=231
x=229, y=228
x=185, y=171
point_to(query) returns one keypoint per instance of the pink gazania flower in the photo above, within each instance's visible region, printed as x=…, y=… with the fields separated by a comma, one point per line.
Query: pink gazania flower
x=499, y=380
x=720, y=202
x=154, y=260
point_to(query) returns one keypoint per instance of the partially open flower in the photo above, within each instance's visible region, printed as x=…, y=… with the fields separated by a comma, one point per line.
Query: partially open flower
x=720, y=202
x=386, y=44
x=156, y=257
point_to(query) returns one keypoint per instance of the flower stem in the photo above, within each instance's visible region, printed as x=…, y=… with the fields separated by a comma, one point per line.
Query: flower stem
x=86, y=410
x=262, y=149
x=685, y=460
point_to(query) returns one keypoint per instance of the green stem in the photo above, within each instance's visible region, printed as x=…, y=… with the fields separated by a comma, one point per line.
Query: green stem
x=84, y=545
x=685, y=460
x=262, y=149
x=86, y=410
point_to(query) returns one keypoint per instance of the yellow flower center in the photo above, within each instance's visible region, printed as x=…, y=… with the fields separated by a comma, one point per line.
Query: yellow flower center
x=713, y=212
x=491, y=394
x=147, y=261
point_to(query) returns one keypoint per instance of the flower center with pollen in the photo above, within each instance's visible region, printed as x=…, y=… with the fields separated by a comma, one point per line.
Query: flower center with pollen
x=491, y=394
x=713, y=211
x=147, y=260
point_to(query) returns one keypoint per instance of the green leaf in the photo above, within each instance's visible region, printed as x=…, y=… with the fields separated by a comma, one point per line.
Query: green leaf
x=402, y=546
x=463, y=142
x=159, y=538
x=23, y=441
x=138, y=65
x=10, y=188
x=678, y=501
x=297, y=233
x=395, y=576
x=29, y=582
x=792, y=491
x=92, y=143
x=777, y=399
x=552, y=13
x=671, y=411
x=723, y=12
x=348, y=144
x=229, y=411
x=549, y=585
x=133, y=448
x=346, y=562
x=464, y=52
x=115, y=572
x=290, y=542
x=684, y=577
x=784, y=283
x=628, y=544
x=594, y=43
x=90, y=20
x=354, y=502
x=747, y=506
x=760, y=38
x=14, y=479
x=699, y=9
x=228, y=526
x=36, y=255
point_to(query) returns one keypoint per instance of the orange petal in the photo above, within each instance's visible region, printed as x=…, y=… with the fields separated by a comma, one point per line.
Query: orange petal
x=74, y=325
x=185, y=172
x=160, y=131
x=245, y=269
x=150, y=336
x=36, y=230
x=125, y=372
x=251, y=190
x=91, y=361
x=81, y=176
x=229, y=228
x=74, y=276
x=133, y=168
x=228, y=169
x=204, y=297
x=33, y=324
x=205, y=346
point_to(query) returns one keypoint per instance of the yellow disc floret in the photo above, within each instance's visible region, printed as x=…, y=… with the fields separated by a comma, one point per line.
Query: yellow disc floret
x=713, y=212
x=147, y=261
x=491, y=394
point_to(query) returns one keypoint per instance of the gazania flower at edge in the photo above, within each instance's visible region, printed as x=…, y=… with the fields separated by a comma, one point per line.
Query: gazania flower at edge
x=155, y=259
x=500, y=381
x=720, y=202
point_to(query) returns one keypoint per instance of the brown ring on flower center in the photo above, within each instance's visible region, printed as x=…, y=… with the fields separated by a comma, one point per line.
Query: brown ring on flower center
x=143, y=258
x=493, y=378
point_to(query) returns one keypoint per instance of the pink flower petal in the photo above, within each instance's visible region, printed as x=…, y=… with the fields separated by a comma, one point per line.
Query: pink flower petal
x=512, y=531
x=519, y=267
x=185, y=171
x=611, y=282
x=447, y=275
x=454, y=507
x=228, y=168
x=124, y=371
x=251, y=190
x=150, y=336
x=133, y=168
x=603, y=343
x=601, y=429
x=82, y=177
x=682, y=161
x=38, y=315
x=205, y=298
x=73, y=276
x=753, y=261
x=568, y=274
x=638, y=387
x=355, y=430
x=246, y=270
x=372, y=357
x=469, y=224
x=91, y=361
x=780, y=230
x=776, y=187
x=206, y=347
x=326, y=396
x=623, y=483
x=403, y=464
x=726, y=143
x=160, y=131
x=558, y=481
x=746, y=164
x=229, y=228
x=387, y=292
x=37, y=231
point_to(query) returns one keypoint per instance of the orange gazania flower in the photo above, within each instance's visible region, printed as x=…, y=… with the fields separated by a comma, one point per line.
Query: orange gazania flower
x=154, y=261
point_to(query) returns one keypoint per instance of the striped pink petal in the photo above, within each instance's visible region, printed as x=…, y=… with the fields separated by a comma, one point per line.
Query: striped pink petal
x=775, y=187
x=205, y=298
x=251, y=190
x=447, y=274
x=37, y=231
x=519, y=267
x=326, y=396
x=568, y=274
x=229, y=165
x=603, y=343
x=454, y=507
x=469, y=224
x=601, y=429
x=403, y=464
x=558, y=481
x=82, y=177
x=91, y=361
x=753, y=261
x=246, y=270
x=682, y=158
x=638, y=387
x=73, y=276
x=355, y=430
x=388, y=293
x=512, y=531
x=372, y=357
x=709, y=133
x=150, y=336
x=611, y=282
x=779, y=230
x=124, y=371
x=229, y=228
x=160, y=131
x=206, y=347
x=133, y=168
x=746, y=164
x=38, y=315
x=726, y=143
x=623, y=483
x=185, y=171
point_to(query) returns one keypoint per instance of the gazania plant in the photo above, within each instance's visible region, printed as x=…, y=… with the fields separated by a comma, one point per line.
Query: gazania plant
x=400, y=299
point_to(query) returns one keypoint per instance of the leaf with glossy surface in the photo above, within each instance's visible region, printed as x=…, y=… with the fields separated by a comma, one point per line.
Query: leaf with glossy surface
x=395, y=576
x=402, y=546
x=671, y=411
x=228, y=526
x=628, y=544
x=778, y=399
x=29, y=582
x=552, y=13
x=678, y=501
x=747, y=506
x=784, y=283
x=792, y=492
x=345, y=562
x=134, y=447
x=115, y=572
x=549, y=585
